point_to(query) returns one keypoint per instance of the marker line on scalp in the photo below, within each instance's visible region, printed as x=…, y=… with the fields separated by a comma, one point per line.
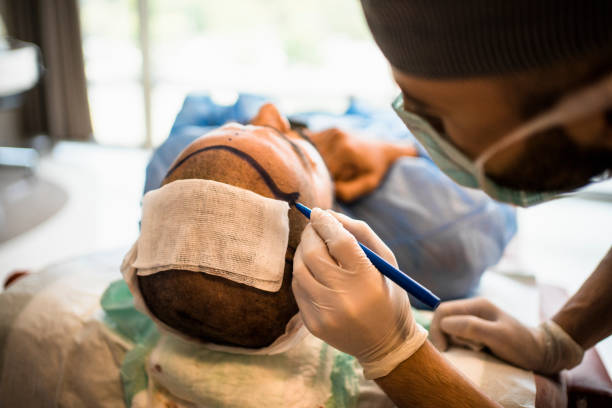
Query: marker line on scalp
x=278, y=193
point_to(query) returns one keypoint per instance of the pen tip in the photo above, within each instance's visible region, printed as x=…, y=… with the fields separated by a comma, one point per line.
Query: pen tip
x=303, y=209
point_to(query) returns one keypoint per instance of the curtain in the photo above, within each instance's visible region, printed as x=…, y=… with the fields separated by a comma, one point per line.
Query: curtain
x=58, y=106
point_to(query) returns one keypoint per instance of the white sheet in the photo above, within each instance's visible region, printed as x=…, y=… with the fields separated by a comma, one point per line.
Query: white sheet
x=51, y=351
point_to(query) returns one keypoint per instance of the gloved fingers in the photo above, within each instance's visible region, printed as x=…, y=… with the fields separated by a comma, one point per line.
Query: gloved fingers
x=342, y=245
x=471, y=329
x=469, y=344
x=364, y=234
x=314, y=254
x=315, y=301
x=305, y=286
x=476, y=307
x=437, y=337
x=313, y=315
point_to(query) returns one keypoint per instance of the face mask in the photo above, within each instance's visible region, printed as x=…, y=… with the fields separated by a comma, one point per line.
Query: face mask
x=459, y=167
x=470, y=173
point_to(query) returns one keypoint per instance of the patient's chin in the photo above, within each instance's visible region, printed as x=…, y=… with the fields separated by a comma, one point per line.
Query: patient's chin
x=211, y=309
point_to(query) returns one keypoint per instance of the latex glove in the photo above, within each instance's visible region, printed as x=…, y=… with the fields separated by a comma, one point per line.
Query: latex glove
x=345, y=301
x=357, y=165
x=546, y=349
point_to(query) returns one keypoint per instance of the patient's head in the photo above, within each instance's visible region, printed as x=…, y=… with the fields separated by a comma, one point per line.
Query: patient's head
x=270, y=159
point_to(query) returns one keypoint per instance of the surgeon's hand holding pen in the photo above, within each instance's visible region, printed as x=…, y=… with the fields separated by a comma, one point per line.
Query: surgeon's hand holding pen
x=346, y=301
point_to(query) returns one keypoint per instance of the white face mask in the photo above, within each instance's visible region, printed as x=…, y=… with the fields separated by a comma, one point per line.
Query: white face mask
x=209, y=227
x=466, y=172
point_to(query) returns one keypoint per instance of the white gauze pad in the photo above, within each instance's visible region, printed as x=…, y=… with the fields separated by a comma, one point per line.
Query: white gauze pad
x=215, y=228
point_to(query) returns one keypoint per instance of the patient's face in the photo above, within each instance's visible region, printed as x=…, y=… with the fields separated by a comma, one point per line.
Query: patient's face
x=273, y=161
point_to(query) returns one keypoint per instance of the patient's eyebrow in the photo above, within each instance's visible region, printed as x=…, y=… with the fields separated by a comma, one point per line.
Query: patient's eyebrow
x=295, y=147
x=278, y=193
x=300, y=131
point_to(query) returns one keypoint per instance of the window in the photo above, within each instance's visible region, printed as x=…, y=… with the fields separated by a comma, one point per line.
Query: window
x=143, y=56
x=113, y=65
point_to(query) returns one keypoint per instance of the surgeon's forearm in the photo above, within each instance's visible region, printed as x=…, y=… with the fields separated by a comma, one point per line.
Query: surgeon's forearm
x=587, y=316
x=426, y=379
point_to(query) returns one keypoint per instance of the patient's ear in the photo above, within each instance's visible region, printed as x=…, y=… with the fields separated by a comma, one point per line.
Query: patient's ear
x=268, y=115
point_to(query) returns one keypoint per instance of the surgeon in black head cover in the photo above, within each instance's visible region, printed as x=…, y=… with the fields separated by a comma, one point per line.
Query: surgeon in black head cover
x=513, y=98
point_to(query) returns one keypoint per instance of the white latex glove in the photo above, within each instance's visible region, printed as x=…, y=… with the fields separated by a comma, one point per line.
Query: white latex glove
x=474, y=322
x=345, y=301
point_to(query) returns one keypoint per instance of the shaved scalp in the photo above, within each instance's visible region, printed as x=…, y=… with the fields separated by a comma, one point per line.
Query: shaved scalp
x=217, y=310
x=214, y=309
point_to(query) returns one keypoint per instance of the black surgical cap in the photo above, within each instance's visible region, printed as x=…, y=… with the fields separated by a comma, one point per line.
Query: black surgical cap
x=467, y=38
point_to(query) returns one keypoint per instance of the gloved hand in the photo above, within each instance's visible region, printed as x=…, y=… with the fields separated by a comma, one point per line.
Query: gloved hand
x=546, y=349
x=344, y=299
x=357, y=165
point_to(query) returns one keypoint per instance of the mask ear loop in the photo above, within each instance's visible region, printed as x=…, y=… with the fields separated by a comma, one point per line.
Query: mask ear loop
x=570, y=108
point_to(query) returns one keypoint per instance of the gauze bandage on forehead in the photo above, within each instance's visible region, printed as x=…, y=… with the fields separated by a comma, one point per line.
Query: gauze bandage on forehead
x=211, y=227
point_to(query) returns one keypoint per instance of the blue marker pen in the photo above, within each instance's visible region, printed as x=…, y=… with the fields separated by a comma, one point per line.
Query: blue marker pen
x=400, y=278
